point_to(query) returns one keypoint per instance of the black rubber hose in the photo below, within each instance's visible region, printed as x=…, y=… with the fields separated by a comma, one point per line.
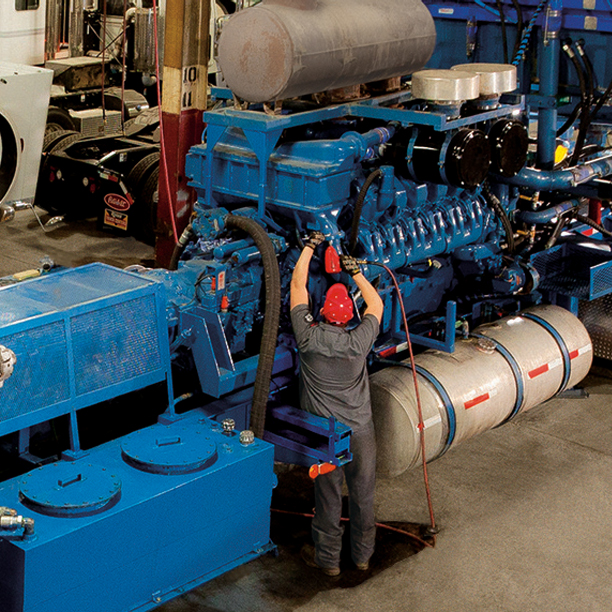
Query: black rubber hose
x=554, y=236
x=597, y=226
x=578, y=109
x=179, y=248
x=267, y=350
x=495, y=204
x=502, y=21
x=588, y=67
x=586, y=102
x=359, y=207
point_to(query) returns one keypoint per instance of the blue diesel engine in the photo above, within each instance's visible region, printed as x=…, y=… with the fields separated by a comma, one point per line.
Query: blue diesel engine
x=474, y=193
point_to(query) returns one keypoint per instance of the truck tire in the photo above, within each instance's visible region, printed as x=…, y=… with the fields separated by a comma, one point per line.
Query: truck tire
x=142, y=182
x=58, y=120
x=55, y=138
x=52, y=143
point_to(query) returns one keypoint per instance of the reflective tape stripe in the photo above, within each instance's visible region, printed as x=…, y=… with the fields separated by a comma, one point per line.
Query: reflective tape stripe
x=477, y=400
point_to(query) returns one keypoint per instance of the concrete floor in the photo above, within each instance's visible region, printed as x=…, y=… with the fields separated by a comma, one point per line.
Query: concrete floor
x=525, y=510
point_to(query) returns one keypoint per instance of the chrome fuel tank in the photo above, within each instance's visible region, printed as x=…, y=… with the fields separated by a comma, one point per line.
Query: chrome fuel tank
x=505, y=368
x=284, y=48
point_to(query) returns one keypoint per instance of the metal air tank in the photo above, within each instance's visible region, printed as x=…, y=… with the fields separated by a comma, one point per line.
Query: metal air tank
x=505, y=368
x=284, y=48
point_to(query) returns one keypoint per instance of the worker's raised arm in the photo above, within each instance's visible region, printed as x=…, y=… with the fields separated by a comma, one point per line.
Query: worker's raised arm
x=374, y=303
x=299, y=278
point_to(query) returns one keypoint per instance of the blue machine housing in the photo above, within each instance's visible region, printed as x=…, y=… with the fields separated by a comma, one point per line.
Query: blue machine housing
x=409, y=187
x=137, y=521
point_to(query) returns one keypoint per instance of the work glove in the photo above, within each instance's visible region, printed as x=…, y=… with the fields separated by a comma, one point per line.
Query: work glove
x=314, y=240
x=349, y=265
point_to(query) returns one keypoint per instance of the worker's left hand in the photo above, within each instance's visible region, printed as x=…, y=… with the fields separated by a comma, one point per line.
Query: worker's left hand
x=314, y=240
x=349, y=264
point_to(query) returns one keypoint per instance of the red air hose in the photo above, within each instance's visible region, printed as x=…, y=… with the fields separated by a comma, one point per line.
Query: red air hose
x=433, y=529
x=381, y=525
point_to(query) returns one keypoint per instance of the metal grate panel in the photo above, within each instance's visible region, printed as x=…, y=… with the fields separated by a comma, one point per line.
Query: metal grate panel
x=574, y=270
x=125, y=344
x=597, y=318
x=32, y=386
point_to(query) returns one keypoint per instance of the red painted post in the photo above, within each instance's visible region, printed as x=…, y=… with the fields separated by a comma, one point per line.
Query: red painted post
x=185, y=91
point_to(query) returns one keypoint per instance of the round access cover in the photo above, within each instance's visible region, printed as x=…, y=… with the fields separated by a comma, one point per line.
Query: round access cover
x=69, y=489
x=170, y=449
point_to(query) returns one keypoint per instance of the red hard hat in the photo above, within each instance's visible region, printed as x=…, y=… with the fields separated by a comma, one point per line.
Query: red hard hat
x=338, y=306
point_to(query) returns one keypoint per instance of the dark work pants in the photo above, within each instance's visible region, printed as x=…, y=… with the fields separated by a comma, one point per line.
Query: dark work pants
x=360, y=479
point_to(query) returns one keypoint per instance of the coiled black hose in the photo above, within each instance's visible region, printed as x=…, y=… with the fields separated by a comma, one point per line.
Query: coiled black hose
x=267, y=350
x=495, y=204
x=359, y=207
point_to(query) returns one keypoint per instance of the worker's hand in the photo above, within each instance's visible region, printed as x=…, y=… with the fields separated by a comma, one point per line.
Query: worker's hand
x=314, y=240
x=349, y=264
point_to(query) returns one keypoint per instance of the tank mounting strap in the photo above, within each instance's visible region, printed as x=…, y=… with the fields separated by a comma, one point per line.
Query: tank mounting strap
x=565, y=354
x=448, y=404
x=520, y=389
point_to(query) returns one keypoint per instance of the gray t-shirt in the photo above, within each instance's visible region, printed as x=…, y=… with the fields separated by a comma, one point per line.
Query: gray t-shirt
x=334, y=377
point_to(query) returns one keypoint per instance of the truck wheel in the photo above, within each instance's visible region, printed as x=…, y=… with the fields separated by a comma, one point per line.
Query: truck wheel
x=138, y=173
x=148, y=198
x=142, y=183
x=58, y=119
x=52, y=143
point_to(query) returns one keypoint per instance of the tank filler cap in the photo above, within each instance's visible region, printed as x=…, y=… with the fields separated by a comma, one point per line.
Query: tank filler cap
x=445, y=86
x=495, y=79
x=485, y=345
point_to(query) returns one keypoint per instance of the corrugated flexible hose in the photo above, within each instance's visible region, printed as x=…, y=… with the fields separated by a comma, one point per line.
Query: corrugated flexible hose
x=271, y=317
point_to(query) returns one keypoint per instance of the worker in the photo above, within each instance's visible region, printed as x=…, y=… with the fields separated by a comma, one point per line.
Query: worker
x=334, y=382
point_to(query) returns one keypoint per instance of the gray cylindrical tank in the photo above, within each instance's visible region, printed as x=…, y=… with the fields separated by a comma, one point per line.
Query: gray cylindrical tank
x=285, y=48
x=509, y=366
x=144, y=40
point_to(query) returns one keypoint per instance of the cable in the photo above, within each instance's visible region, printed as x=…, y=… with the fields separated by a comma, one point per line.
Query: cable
x=346, y=520
x=162, y=144
x=432, y=519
